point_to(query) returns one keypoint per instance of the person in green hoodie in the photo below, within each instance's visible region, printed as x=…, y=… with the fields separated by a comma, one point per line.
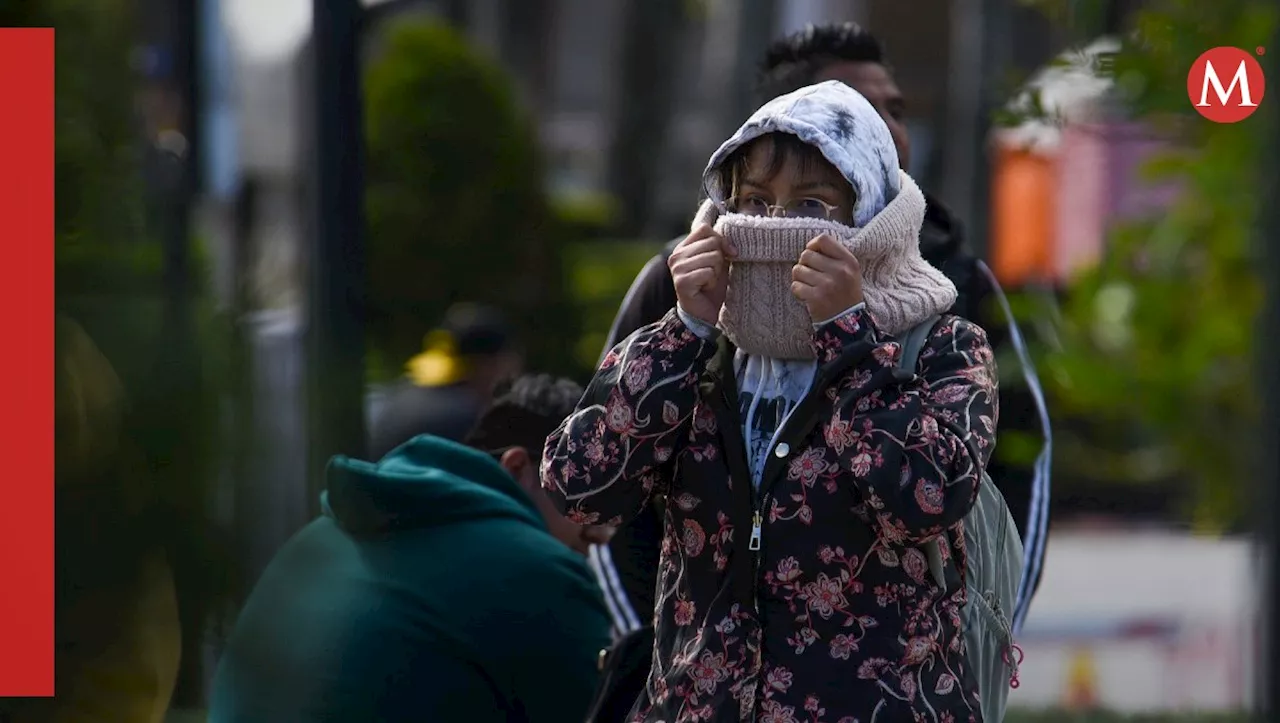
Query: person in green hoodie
x=429, y=590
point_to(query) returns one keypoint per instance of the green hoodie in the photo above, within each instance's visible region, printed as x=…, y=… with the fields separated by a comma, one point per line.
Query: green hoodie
x=429, y=591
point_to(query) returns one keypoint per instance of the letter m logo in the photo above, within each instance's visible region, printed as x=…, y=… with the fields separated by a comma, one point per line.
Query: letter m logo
x=1241, y=78
x=1236, y=98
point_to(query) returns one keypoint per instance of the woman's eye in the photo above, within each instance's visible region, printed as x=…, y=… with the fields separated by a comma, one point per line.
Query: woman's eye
x=810, y=207
x=753, y=205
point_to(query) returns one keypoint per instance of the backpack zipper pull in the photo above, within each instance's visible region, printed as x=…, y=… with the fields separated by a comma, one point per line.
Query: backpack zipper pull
x=754, y=544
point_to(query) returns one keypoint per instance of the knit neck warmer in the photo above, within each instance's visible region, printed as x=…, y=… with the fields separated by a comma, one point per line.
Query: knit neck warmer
x=762, y=317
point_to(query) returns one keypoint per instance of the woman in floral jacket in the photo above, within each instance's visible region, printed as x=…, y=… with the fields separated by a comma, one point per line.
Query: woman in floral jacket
x=803, y=469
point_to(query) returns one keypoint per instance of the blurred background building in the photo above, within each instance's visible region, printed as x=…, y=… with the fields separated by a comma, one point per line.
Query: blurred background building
x=567, y=58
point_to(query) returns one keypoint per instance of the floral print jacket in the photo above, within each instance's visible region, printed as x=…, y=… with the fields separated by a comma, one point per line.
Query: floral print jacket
x=809, y=598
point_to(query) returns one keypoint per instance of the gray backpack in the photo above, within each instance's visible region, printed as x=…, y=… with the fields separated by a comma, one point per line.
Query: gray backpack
x=992, y=575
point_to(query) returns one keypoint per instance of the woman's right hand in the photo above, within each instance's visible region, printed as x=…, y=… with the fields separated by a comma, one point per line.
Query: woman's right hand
x=700, y=270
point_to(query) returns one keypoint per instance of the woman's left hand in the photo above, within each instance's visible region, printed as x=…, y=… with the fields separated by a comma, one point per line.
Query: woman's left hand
x=828, y=279
x=577, y=537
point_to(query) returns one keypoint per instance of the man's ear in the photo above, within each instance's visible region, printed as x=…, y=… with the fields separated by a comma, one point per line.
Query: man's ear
x=524, y=468
x=517, y=462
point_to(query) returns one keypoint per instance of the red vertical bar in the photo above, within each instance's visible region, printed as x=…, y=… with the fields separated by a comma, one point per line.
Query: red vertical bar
x=26, y=361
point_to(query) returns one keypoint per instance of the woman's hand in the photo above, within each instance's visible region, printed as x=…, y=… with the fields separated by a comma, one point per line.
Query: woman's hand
x=828, y=279
x=576, y=537
x=700, y=270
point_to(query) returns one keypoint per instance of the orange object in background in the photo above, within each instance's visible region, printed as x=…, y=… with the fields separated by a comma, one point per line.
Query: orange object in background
x=1023, y=220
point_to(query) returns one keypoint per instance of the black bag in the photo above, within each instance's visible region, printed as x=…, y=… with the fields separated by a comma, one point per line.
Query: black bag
x=624, y=668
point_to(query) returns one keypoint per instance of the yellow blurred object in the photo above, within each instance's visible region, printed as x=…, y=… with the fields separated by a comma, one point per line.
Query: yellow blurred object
x=129, y=676
x=88, y=399
x=438, y=364
x=1082, y=682
x=132, y=681
x=89, y=415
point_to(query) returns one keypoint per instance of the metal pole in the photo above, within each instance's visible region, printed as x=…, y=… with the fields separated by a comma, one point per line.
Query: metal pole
x=336, y=308
x=979, y=54
x=756, y=20
x=995, y=34
x=1267, y=240
x=643, y=106
x=964, y=91
x=180, y=362
x=186, y=53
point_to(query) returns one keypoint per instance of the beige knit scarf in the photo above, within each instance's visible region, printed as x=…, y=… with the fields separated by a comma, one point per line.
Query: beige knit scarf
x=762, y=317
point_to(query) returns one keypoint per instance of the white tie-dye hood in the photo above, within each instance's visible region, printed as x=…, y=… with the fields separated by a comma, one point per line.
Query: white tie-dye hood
x=840, y=123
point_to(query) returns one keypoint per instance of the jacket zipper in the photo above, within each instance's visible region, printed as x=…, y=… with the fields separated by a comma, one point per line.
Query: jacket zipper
x=754, y=546
x=757, y=517
x=757, y=523
x=756, y=542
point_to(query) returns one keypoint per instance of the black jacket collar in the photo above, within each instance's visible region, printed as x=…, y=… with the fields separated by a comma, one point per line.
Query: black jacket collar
x=942, y=236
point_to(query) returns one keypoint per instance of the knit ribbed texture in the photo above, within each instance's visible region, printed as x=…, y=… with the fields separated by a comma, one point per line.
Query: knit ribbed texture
x=761, y=316
x=901, y=288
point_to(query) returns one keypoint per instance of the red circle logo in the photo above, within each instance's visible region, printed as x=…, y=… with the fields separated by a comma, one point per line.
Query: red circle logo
x=1226, y=84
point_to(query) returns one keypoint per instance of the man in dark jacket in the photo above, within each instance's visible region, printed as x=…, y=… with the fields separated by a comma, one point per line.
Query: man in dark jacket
x=848, y=53
x=430, y=590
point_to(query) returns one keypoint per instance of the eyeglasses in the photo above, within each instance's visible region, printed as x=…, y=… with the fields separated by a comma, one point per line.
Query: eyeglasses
x=794, y=208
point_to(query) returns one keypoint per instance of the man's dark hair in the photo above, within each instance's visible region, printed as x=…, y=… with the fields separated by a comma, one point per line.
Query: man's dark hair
x=794, y=61
x=524, y=412
x=477, y=330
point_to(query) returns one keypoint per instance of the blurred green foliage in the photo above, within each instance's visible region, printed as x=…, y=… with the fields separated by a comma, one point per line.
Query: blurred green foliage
x=98, y=187
x=455, y=200
x=1159, y=337
x=112, y=515
x=586, y=214
x=599, y=275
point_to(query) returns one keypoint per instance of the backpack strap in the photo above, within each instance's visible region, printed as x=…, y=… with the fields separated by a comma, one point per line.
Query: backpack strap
x=913, y=342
